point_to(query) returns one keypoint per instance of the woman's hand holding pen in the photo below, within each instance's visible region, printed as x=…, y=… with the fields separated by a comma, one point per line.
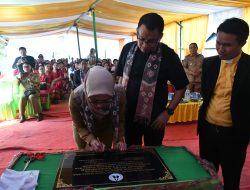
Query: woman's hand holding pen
x=96, y=145
x=120, y=145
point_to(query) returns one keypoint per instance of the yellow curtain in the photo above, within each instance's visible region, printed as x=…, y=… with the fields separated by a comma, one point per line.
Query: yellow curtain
x=134, y=37
x=246, y=17
x=170, y=36
x=194, y=30
x=121, y=43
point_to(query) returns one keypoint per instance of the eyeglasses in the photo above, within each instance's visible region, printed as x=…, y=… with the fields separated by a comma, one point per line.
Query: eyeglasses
x=101, y=102
x=149, y=42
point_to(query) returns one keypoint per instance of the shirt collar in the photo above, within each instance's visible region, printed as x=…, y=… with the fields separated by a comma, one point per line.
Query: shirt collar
x=235, y=59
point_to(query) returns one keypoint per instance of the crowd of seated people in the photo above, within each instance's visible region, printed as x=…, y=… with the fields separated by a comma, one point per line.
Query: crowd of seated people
x=45, y=82
x=58, y=77
x=79, y=68
x=59, y=82
x=53, y=83
x=53, y=78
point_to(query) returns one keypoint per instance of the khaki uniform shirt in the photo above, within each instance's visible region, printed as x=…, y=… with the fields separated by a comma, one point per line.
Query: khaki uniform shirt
x=193, y=66
x=92, y=60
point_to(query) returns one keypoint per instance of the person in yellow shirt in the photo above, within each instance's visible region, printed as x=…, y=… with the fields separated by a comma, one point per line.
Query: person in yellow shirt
x=223, y=123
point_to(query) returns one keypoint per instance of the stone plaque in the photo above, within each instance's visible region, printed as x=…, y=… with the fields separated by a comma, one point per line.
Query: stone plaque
x=112, y=169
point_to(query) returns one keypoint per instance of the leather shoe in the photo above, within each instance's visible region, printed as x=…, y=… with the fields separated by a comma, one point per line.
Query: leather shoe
x=40, y=117
x=22, y=119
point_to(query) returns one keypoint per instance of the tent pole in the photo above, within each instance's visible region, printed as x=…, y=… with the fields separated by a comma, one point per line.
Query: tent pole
x=180, y=38
x=94, y=30
x=77, y=34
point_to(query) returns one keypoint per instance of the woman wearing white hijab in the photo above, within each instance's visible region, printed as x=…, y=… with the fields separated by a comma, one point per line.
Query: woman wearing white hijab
x=97, y=110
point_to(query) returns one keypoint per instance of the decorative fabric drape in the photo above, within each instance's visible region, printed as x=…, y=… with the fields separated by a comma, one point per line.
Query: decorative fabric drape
x=170, y=36
x=112, y=17
x=46, y=17
x=226, y=3
x=121, y=43
x=134, y=38
x=41, y=17
x=246, y=17
x=194, y=30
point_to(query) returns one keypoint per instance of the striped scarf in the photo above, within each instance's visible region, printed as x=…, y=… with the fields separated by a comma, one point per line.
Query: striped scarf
x=148, y=83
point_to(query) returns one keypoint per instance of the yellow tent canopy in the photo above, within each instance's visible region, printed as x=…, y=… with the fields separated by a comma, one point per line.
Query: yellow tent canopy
x=114, y=18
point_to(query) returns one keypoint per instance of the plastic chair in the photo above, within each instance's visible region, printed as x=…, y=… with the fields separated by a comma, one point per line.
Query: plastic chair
x=45, y=94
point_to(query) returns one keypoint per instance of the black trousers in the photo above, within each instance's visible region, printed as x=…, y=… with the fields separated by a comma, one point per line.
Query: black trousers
x=225, y=147
x=135, y=131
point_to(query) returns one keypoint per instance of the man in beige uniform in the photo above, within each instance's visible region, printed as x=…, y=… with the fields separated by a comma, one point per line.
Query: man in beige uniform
x=193, y=65
x=92, y=58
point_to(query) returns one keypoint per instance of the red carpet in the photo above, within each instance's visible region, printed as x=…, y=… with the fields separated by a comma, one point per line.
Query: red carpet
x=184, y=134
x=54, y=134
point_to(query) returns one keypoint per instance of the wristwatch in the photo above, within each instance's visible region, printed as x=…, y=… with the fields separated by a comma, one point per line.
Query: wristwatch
x=169, y=111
